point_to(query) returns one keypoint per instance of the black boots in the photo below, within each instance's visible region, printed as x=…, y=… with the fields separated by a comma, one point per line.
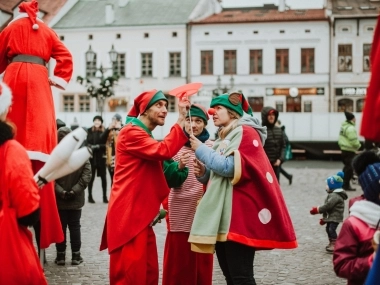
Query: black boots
x=105, y=200
x=90, y=199
x=60, y=259
x=76, y=258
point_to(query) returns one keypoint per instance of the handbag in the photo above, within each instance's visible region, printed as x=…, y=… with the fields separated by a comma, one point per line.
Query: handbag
x=288, y=152
x=19, y=263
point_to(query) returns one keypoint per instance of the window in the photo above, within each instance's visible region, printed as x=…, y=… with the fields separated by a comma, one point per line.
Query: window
x=345, y=105
x=360, y=105
x=307, y=31
x=62, y=38
x=344, y=58
x=91, y=67
x=90, y=37
x=256, y=61
x=282, y=61
x=255, y=32
x=174, y=34
x=307, y=60
x=146, y=64
x=175, y=64
x=256, y=103
x=119, y=65
x=230, y=62
x=68, y=103
x=118, y=36
x=229, y=33
x=282, y=31
x=366, y=53
x=146, y=35
x=207, y=33
x=171, y=103
x=84, y=103
x=370, y=29
x=207, y=62
x=307, y=106
x=280, y=106
x=293, y=104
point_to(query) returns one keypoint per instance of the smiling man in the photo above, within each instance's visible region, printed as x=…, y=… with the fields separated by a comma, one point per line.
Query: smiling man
x=139, y=188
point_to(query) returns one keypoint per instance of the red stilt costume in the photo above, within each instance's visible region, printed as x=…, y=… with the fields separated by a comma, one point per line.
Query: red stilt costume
x=26, y=45
x=138, y=190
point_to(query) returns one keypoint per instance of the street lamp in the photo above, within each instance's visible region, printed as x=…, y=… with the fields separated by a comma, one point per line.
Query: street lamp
x=104, y=89
x=226, y=89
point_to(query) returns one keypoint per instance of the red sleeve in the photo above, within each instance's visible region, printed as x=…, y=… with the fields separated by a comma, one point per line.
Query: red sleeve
x=346, y=262
x=64, y=66
x=3, y=52
x=140, y=144
x=23, y=191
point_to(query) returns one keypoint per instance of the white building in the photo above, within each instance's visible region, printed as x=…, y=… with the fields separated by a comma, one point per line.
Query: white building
x=352, y=26
x=150, y=38
x=277, y=57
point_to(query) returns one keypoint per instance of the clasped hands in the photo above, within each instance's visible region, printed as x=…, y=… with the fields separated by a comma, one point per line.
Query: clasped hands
x=199, y=168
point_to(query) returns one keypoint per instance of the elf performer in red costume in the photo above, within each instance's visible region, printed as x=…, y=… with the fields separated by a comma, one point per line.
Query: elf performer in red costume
x=139, y=188
x=26, y=45
x=182, y=265
x=243, y=209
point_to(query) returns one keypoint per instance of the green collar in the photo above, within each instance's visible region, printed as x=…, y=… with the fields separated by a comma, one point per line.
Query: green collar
x=136, y=122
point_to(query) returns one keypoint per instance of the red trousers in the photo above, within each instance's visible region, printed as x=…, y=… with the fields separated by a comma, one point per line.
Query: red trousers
x=51, y=229
x=136, y=262
x=183, y=266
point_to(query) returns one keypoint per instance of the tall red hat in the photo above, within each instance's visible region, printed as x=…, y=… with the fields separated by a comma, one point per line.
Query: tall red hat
x=144, y=101
x=5, y=97
x=31, y=8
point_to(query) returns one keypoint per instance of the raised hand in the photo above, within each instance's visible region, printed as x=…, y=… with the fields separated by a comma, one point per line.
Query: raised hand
x=194, y=142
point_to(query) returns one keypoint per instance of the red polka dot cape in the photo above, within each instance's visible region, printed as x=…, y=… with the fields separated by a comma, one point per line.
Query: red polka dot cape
x=248, y=209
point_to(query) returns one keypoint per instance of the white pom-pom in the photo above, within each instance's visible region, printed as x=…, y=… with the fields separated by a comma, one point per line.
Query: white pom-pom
x=35, y=27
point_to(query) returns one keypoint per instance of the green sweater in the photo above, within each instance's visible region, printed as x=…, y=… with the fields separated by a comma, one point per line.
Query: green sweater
x=348, y=138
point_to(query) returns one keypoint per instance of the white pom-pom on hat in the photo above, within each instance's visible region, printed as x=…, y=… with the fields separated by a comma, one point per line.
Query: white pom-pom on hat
x=5, y=97
x=35, y=27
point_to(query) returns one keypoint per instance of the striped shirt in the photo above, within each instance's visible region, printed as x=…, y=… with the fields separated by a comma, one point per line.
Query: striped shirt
x=183, y=200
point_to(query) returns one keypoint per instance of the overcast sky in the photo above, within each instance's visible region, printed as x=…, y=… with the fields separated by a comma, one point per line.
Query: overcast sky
x=294, y=4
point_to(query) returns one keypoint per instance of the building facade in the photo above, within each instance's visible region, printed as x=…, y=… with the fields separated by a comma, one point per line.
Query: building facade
x=352, y=26
x=276, y=57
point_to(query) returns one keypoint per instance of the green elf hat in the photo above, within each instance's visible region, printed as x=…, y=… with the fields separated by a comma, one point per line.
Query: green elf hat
x=234, y=101
x=144, y=101
x=198, y=111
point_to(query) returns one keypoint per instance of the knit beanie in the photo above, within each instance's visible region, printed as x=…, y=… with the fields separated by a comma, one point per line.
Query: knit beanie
x=117, y=117
x=369, y=180
x=198, y=111
x=5, y=97
x=349, y=116
x=335, y=181
x=234, y=101
x=31, y=8
x=97, y=117
x=144, y=101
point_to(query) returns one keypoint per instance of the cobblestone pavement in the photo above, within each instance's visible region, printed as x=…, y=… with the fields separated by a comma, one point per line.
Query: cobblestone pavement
x=308, y=264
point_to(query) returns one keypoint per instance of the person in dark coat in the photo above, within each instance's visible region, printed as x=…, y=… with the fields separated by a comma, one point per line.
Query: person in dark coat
x=98, y=160
x=275, y=143
x=282, y=170
x=69, y=192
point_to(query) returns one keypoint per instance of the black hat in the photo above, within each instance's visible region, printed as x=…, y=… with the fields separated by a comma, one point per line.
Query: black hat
x=117, y=117
x=97, y=117
x=349, y=116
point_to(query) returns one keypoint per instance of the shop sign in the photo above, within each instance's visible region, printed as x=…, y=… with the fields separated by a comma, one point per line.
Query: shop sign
x=294, y=91
x=351, y=91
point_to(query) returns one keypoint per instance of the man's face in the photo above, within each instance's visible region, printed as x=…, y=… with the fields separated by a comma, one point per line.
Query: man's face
x=271, y=118
x=156, y=114
x=197, y=123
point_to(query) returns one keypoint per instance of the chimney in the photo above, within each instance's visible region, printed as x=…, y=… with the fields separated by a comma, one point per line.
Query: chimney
x=110, y=14
x=123, y=3
x=281, y=5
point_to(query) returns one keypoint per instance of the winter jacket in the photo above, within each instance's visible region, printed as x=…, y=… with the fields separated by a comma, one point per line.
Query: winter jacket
x=98, y=159
x=76, y=182
x=274, y=145
x=353, y=249
x=333, y=208
x=348, y=138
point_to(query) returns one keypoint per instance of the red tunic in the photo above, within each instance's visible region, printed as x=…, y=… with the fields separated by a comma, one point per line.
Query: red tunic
x=33, y=107
x=139, y=184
